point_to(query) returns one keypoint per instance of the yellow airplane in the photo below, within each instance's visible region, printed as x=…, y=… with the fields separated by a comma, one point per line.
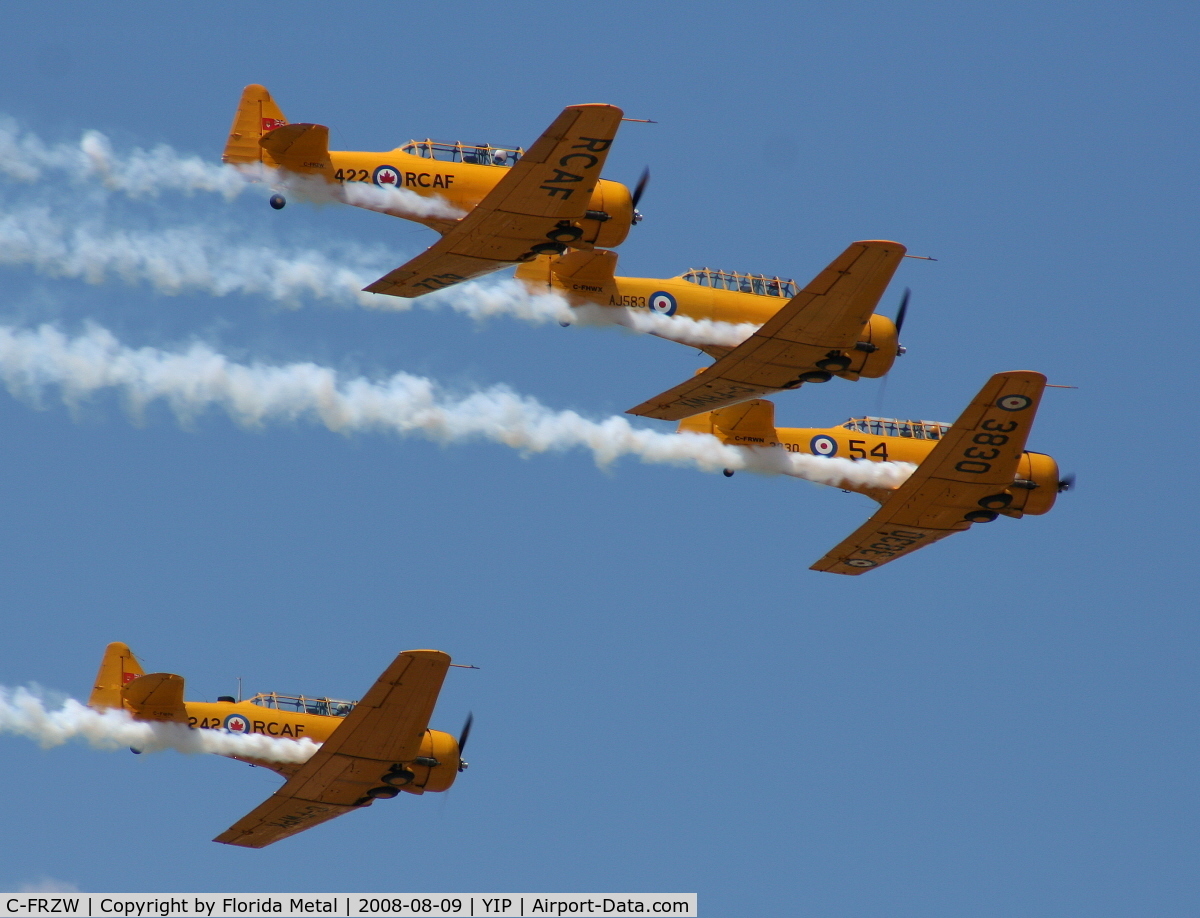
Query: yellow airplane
x=518, y=203
x=370, y=750
x=807, y=336
x=967, y=472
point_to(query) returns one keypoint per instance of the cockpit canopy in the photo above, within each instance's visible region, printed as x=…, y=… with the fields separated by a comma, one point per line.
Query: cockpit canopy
x=742, y=283
x=481, y=154
x=891, y=427
x=302, y=704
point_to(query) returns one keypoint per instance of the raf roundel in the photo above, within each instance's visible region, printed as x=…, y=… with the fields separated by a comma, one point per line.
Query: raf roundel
x=823, y=446
x=236, y=723
x=385, y=176
x=662, y=303
x=1014, y=402
x=860, y=562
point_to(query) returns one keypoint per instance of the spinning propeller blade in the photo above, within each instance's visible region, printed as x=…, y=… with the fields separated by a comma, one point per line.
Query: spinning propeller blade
x=1067, y=483
x=899, y=320
x=638, y=190
x=903, y=310
x=466, y=731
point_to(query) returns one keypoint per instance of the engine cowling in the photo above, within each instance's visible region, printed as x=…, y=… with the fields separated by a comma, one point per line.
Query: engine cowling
x=879, y=334
x=614, y=199
x=1036, y=485
x=435, y=747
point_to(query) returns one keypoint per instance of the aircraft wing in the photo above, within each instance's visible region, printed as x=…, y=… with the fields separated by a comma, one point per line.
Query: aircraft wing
x=976, y=459
x=828, y=314
x=386, y=727
x=551, y=183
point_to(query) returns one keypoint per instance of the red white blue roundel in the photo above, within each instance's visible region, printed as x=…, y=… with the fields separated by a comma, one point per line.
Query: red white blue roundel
x=1014, y=402
x=385, y=176
x=860, y=562
x=823, y=446
x=236, y=723
x=662, y=303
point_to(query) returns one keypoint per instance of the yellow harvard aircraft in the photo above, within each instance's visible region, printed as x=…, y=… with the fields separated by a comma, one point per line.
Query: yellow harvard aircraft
x=370, y=750
x=518, y=203
x=807, y=336
x=967, y=472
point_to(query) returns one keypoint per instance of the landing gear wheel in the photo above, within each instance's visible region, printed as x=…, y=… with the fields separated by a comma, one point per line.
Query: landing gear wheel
x=548, y=248
x=981, y=516
x=814, y=376
x=398, y=777
x=995, y=501
x=728, y=473
x=383, y=792
x=834, y=364
x=278, y=201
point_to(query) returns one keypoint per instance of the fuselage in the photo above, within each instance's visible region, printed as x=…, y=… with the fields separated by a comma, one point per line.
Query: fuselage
x=1034, y=489
x=262, y=715
x=672, y=296
x=460, y=184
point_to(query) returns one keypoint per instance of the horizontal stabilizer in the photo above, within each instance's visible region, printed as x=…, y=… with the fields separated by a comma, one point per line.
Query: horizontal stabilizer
x=157, y=696
x=298, y=147
x=594, y=267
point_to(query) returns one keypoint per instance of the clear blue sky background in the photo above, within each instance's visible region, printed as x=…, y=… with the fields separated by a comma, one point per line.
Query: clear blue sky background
x=669, y=699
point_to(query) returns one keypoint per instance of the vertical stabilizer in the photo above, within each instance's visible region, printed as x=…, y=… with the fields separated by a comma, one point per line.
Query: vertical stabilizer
x=257, y=114
x=118, y=668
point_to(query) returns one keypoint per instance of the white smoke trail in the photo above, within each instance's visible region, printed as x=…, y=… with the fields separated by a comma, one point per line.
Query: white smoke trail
x=510, y=297
x=178, y=259
x=25, y=157
x=682, y=329
x=195, y=257
x=199, y=378
x=24, y=711
x=147, y=173
x=399, y=202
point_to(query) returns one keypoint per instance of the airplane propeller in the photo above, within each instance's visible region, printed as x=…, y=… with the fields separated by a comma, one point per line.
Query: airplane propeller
x=899, y=320
x=637, y=194
x=1067, y=483
x=462, y=740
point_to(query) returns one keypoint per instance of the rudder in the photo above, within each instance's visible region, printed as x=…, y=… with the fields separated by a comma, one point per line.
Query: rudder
x=118, y=668
x=256, y=114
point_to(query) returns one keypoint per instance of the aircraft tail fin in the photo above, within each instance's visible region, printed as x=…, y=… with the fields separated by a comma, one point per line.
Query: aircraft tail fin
x=118, y=668
x=744, y=424
x=257, y=114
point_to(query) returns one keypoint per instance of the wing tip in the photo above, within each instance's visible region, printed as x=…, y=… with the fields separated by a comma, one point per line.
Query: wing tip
x=829, y=567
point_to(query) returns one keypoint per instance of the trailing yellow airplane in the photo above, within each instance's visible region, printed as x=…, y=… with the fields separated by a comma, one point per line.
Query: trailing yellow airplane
x=971, y=471
x=807, y=336
x=500, y=206
x=370, y=750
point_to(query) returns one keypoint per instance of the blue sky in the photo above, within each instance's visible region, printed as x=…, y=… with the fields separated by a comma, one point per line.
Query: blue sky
x=669, y=700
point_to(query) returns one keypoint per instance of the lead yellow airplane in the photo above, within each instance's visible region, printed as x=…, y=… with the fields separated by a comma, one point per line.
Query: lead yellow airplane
x=512, y=204
x=827, y=329
x=370, y=750
x=971, y=471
